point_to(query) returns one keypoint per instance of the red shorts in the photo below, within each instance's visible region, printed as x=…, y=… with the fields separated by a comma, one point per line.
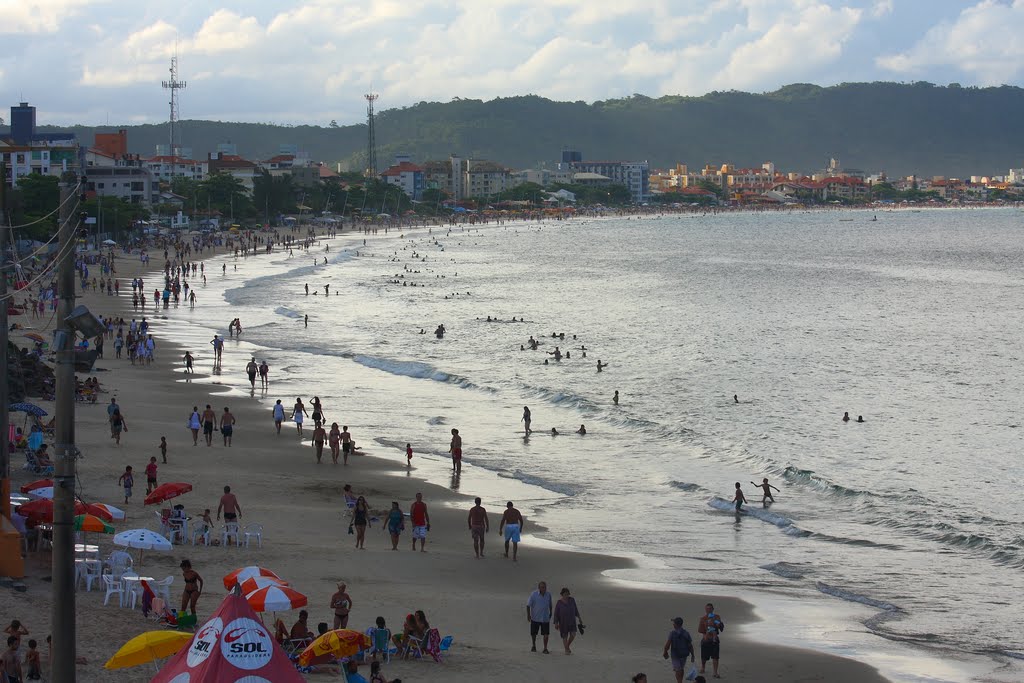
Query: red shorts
x=457, y=453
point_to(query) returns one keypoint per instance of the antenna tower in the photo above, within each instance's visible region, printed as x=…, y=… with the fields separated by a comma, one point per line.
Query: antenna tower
x=174, y=85
x=371, y=142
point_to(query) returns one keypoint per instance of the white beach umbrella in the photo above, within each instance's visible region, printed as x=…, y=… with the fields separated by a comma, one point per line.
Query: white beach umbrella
x=114, y=512
x=143, y=539
x=42, y=492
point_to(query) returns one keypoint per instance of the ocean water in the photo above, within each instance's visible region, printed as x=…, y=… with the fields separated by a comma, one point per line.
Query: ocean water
x=898, y=540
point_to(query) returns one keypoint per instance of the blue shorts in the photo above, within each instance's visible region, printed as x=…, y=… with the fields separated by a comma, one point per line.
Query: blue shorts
x=512, y=533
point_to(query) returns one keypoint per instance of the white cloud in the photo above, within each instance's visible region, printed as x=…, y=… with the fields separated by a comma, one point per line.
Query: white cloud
x=882, y=8
x=983, y=42
x=37, y=16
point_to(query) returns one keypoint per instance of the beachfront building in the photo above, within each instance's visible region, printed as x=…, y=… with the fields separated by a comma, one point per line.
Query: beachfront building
x=28, y=151
x=446, y=176
x=243, y=170
x=166, y=166
x=635, y=175
x=406, y=176
x=485, y=178
x=110, y=171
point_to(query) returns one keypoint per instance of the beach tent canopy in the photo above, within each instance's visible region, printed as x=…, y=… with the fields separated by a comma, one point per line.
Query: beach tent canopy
x=232, y=646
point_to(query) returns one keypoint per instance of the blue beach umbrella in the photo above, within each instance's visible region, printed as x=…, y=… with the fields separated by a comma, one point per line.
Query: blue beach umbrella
x=29, y=408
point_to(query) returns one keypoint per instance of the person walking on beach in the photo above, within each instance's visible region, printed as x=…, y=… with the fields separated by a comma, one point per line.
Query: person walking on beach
x=565, y=617
x=229, y=506
x=209, y=420
x=710, y=627
x=218, y=348
x=479, y=525
x=334, y=440
x=278, y=415
x=420, y=523
x=678, y=647
x=341, y=603
x=195, y=423
x=151, y=482
x=264, y=372
x=251, y=369
x=767, y=489
x=526, y=418
x=360, y=519
x=319, y=436
x=538, y=613
x=395, y=524
x=189, y=362
x=117, y=425
x=739, y=499
x=512, y=525
x=298, y=412
x=227, y=426
x=346, y=444
x=127, y=480
x=456, y=450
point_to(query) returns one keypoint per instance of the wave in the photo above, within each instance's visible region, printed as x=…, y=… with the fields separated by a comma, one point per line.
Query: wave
x=759, y=513
x=563, y=488
x=798, y=475
x=783, y=569
x=232, y=295
x=287, y=312
x=415, y=369
x=850, y=596
x=686, y=486
x=437, y=420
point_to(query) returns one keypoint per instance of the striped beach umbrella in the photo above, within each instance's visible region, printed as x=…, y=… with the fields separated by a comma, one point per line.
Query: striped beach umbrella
x=242, y=573
x=92, y=524
x=275, y=599
x=258, y=582
x=113, y=512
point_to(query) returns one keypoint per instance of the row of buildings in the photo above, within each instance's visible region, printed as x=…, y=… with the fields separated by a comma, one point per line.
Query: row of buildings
x=109, y=169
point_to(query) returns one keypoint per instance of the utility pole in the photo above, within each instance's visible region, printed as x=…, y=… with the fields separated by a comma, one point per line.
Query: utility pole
x=11, y=563
x=63, y=612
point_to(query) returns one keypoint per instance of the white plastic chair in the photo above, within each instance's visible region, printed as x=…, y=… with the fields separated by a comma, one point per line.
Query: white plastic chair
x=201, y=531
x=227, y=531
x=178, y=529
x=119, y=563
x=113, y=587
x=163, y=588
x=88, y=571
x=253, y=531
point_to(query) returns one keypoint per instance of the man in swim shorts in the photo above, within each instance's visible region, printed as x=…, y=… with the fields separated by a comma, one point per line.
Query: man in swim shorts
x=229, y=505
x=251, y=369
x=420, y=522
x=739, y=499
x=227, y=425
x=479, y=525
x=710, y=627
x=346, y=444
x=512, y=525
x=209, y=420
x=456, y=450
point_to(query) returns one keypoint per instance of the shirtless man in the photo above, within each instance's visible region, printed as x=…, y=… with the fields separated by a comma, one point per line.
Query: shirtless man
x=251, y=369
x=11, y=661
x=227, y=425
x=229, y=506
x=319, y=436
x=264, y=371
x=512, y=525
x=218, y=347
x=767, y=488
x=739, y=499
x=209, y=420
x=346, y=444
x=479, y=525
x=456, y=450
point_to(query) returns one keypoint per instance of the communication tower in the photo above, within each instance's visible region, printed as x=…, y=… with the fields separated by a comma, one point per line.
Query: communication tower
x=174, y=85
x=371, y=141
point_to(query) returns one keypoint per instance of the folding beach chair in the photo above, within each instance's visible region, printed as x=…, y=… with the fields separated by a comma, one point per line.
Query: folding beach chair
x=380, y=643
x=433, y=644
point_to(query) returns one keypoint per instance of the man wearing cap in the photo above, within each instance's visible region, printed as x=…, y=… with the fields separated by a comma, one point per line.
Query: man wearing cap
x=679, y=646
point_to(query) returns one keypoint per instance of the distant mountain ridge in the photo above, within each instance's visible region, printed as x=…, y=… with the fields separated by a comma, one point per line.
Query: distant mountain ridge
x=898, y=128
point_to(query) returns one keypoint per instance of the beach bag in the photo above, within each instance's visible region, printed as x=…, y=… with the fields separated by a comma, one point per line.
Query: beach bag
x=691, y=675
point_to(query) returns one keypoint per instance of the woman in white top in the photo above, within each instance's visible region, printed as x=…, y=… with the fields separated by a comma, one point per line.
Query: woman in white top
x=195, y=423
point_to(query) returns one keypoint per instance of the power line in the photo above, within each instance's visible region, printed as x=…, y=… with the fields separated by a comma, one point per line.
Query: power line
x=40, y=220
x=56, y=262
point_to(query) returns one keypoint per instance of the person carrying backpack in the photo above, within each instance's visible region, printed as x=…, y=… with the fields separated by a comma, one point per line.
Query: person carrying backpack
x=678, y=647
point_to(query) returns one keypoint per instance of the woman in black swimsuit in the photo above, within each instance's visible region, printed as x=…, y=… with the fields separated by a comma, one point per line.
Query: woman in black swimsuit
x=318, y=411
x=193, y=586
x=360, y=518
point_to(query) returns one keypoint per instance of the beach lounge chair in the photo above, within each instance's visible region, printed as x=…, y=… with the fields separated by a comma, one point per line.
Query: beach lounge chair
x=33, y=466
x=380, y=643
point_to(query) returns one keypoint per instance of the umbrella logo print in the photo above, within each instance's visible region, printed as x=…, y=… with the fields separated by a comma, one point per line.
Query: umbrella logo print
x=246, y=644
x=206, y=640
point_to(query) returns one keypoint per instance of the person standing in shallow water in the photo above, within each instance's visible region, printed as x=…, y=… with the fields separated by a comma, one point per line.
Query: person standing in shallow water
x=456, y=450
x=527, y=418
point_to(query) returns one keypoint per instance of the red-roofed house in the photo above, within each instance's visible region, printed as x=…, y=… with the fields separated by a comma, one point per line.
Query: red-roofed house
x=406, y=176
x=232, y=164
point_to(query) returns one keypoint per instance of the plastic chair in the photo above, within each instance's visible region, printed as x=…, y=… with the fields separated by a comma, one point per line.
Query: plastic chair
x=202, y=531
x=227, y=531
x=119, y=562
x=177, y=529
x=446, y=643
x=90, y=571
x=252, y=531
x=163, y=587
x=113, y=587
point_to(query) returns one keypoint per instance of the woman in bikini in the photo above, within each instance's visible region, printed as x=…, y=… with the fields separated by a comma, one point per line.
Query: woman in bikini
x=334, y=438
x=193, y=586
x=318, y=410
x=360, y=518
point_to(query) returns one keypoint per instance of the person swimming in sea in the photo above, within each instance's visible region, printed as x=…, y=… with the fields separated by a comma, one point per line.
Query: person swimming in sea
x=600, y=365
x=582, y=430
x=860, y=418
x=615, y=398
x=554, y=432
x=557, y=353
x=846, y=417
x=736, y=398
x=767, y=488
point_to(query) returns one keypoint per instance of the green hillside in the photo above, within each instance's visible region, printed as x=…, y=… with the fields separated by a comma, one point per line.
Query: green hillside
x=899, y=128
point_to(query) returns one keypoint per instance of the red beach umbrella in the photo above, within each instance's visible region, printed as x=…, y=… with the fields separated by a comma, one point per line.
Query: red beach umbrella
x=41, y=511
x=37, y=484
x=166, y=492
x=242, y=573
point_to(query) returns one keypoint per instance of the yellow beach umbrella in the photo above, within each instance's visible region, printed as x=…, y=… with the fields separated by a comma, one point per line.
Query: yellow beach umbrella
x=333, y=645
x=148, y=646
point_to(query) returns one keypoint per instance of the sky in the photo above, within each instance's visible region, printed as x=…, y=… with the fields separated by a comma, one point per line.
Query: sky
x=101, y=61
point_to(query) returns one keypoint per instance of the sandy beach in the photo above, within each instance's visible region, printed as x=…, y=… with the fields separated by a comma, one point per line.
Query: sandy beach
x=481, y=603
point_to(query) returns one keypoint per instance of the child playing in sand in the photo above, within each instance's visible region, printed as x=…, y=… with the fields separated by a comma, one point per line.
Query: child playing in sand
x=127, y=480
x=163, y=448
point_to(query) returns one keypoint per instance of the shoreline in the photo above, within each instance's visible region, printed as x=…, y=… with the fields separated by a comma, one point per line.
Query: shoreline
x=629, y=625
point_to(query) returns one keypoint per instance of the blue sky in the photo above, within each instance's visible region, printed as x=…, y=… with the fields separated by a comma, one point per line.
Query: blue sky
x=100, y=61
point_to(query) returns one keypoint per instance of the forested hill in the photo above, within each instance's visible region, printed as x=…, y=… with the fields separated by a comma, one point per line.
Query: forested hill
x=899, y=128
